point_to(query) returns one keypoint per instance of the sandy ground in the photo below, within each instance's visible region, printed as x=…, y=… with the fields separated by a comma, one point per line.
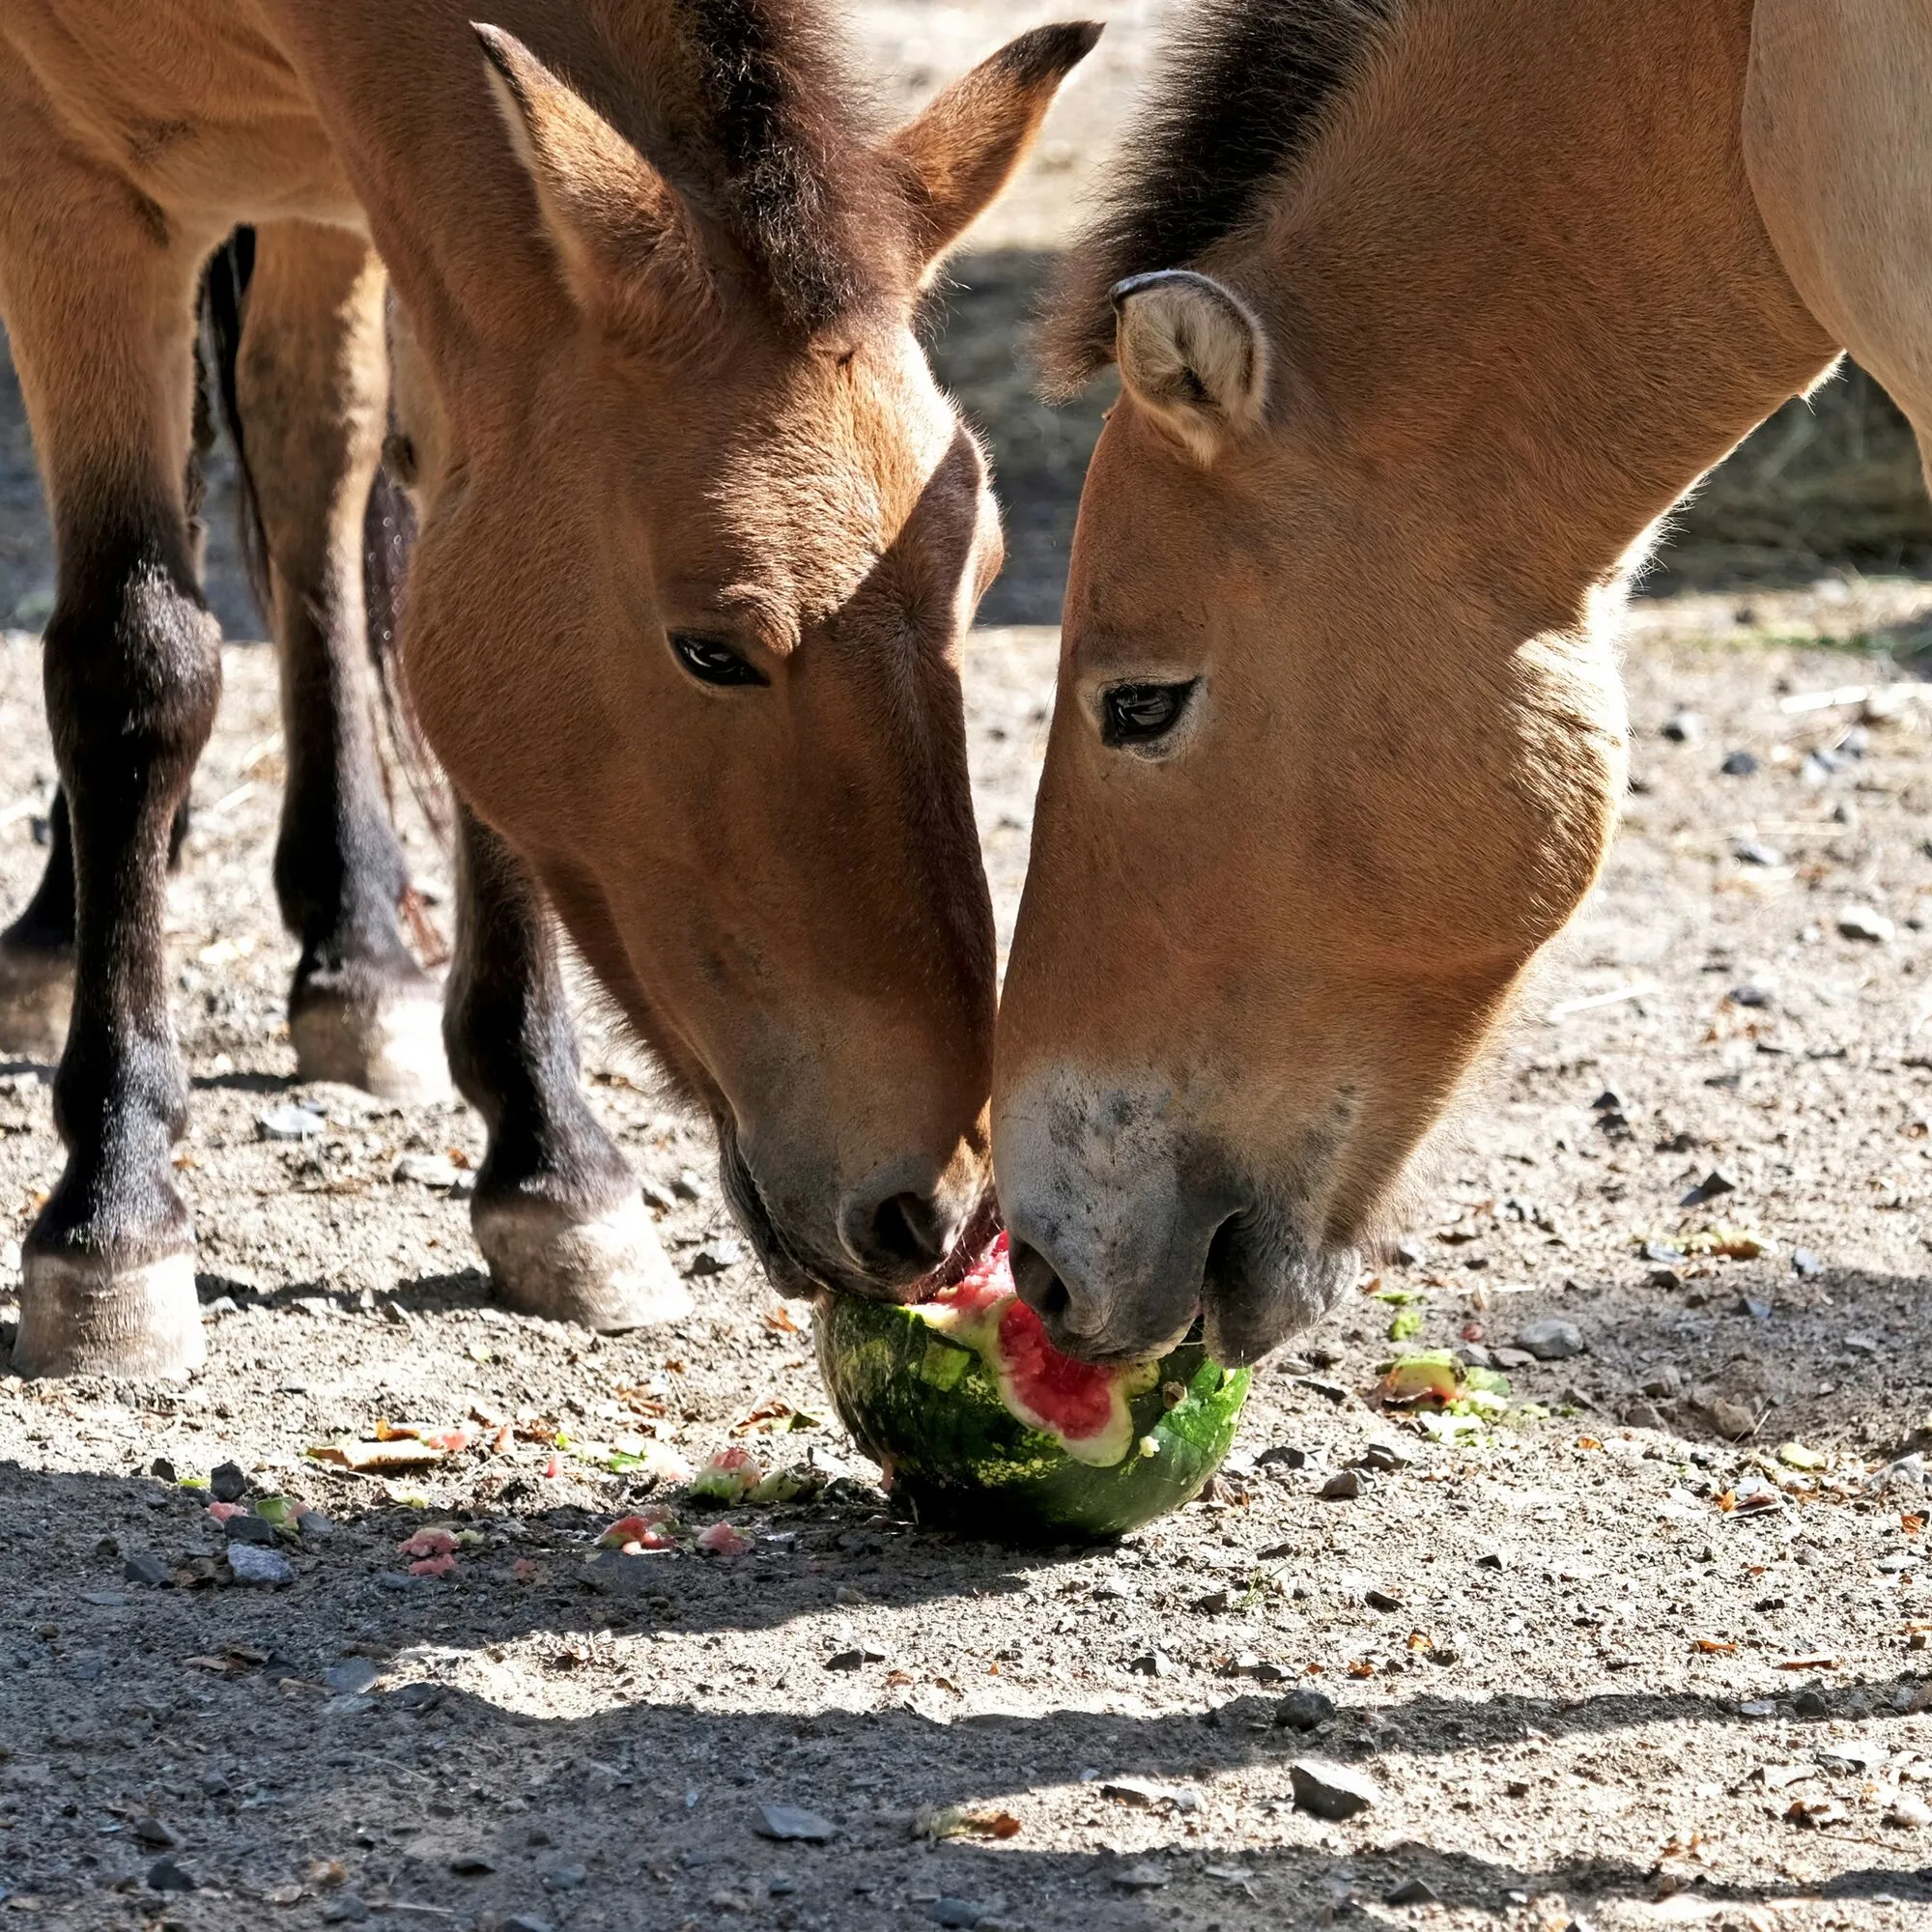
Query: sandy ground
x=1592, y=1668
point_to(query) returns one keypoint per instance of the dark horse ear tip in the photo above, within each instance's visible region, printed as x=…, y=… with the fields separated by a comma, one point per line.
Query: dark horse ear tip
x=1051, y=50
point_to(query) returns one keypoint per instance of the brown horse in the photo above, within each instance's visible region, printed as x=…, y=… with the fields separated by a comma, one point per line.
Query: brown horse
x=1424, y=311
x=699, y=537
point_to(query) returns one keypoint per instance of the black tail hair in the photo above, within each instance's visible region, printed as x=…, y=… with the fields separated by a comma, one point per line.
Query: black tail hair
x=388, y=535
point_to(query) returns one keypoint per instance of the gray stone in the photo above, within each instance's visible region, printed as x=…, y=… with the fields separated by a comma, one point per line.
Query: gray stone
x=1718, y=1181
x=1753, y=852
x=788, y=1823
x=1302, y=1710
x=1332, y=1791
x=1553, y=1339
x=564, y=1878
x=1344, y=1487
x=1683, y=727
x=1862, y=923
x=657, y=1196
x=248, y=1564
x=472, y=1863
x=689, y=1186
x=353, y=1676
x=154, y=1833
x=145, y=1568
x=289, y=1123
x=955, y=1911
x=346, y=1908
x=528, y=1921
x=227, y=1482
x=716, y=1257
x=1413, y=1892
x=1738, y=765
x=1643, y=1415
x=1143, y=1877
x=250, y=1528
x=169, y=1875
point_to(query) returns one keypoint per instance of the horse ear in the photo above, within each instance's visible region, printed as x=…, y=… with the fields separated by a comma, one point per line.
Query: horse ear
x=963, y=147
x=1194, y=354
x=623, y=237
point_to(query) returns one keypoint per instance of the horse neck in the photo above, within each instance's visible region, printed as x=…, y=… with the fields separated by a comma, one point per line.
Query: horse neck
x=401, y=93
x=1522, y=272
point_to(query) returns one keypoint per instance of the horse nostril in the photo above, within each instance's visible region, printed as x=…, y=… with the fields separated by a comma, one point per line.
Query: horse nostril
x=902, y=1235
x=1039, y=1288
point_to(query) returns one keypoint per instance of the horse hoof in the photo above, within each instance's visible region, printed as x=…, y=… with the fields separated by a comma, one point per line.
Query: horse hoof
x=390, y=1047
x=83, y=1315
x=36, y=997
x=606, y=1271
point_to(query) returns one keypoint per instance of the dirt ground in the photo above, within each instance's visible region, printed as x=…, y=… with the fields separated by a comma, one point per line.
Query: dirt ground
x=1608, y=1658
x=1619, y=1665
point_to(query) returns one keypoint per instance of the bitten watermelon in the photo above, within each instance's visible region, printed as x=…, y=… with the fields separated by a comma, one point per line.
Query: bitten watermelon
x=978, y=1421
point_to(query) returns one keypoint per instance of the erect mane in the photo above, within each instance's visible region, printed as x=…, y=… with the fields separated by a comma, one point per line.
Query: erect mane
x=1229, y=110
x=803, y=188
x=757, y=111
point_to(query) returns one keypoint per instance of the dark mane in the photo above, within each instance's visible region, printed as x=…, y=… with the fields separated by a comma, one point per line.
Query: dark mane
x=786, y=130
x=1229, y=109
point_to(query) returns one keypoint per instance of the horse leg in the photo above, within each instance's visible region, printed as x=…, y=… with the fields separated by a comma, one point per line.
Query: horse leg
x=1840, y=163
x=556, y=1213
x=37, y=950
x=312, y=389
x=102, y=342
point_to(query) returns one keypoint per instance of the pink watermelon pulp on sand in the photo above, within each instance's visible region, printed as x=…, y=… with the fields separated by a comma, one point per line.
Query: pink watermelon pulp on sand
x=978, y=1418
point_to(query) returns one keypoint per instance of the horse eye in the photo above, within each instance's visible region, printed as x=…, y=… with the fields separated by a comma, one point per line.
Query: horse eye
x=711, y=661
x=1138, y=714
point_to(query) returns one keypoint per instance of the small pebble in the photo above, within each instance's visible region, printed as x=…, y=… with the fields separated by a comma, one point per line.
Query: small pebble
x=1684, y=727
x=167, y=1875
x=1302, y=1710
x=955, y=1911
x=248, y=1564
x=1738, y=765
x=471, y=1865
x=353, y=1676
x=1717, y=1183
x=346, y=1908
x=657, y=1195
x=226, y=1483
x=1861, y=923
x=1732, y=1419
x=289, y=1123
x=145, y=1568
x=1413, y=1892
x=1344, y=1487
x=689, y=1186
x=1551, y=1340
x=1753, y=852
x=1331, y=1791
x=788, y=1823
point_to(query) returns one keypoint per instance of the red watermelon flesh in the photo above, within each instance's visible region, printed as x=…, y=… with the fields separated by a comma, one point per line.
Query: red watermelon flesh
x=1083, y=1404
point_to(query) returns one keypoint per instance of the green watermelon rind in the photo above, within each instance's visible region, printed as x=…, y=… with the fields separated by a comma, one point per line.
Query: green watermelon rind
x=928, y=1409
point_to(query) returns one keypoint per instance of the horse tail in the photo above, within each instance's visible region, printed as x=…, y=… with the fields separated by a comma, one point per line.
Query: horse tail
x=388, y=535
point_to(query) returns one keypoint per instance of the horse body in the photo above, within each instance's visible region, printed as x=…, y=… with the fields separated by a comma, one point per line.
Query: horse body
x=1339, y=740
x=699, y=536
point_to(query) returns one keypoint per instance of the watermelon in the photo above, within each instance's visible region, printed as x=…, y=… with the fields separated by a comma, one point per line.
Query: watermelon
x=981, y=1423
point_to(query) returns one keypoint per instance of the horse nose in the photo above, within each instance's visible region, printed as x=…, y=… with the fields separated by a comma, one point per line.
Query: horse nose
x=1071, y=1313
x=894, y=1232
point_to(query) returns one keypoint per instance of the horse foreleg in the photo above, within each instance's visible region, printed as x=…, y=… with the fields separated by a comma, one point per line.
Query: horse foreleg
x=312, y=389
x=102, y=335
x=557, y=1212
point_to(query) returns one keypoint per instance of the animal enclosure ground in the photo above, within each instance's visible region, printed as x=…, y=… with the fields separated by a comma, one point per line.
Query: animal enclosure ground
x=1626, y=1675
